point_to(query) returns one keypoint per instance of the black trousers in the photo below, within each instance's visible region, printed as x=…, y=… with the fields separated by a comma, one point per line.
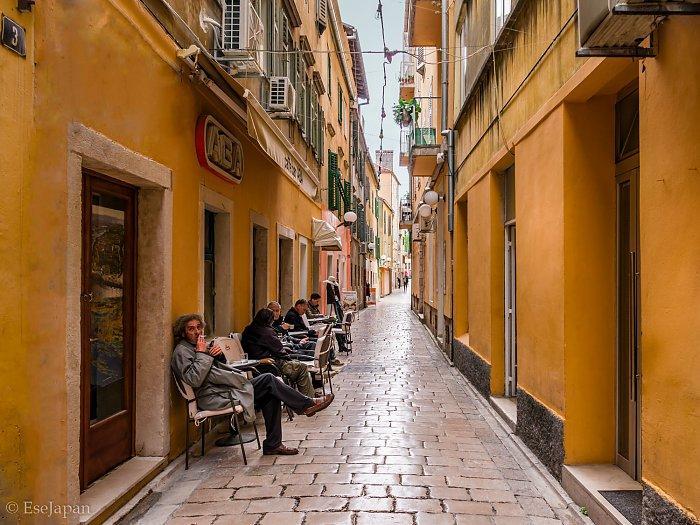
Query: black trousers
x=269, y=393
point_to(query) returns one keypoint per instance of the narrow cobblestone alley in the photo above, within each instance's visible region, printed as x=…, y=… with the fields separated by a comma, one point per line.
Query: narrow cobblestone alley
x=406, y=441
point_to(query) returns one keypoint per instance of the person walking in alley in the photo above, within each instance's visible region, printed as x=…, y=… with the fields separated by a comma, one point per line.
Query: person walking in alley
x=217, y=385
x=405, y=282
x=260, y=341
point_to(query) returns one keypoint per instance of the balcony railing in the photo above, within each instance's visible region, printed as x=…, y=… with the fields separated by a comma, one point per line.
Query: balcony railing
x=424, y=137
x=407, y=72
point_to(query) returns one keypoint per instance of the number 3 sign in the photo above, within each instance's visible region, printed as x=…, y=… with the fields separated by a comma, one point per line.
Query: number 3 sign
x=13, y=36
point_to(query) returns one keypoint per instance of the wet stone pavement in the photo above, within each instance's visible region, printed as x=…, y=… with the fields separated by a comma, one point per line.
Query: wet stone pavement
x=407, y=441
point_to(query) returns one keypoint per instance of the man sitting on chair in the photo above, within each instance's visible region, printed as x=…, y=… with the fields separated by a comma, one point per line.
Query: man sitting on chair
x=296, y=316
x=218, y=385
x=300, y=345
x=260, y=341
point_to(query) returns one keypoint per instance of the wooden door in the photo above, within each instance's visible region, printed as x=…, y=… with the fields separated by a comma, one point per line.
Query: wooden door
x=628, y=325
x=511, y=340
x=107, y=326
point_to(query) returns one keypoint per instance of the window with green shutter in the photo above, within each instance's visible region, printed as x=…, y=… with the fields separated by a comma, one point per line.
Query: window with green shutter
x=340, y=104
x=333, y=175
x=347, y=198
x=322, y=133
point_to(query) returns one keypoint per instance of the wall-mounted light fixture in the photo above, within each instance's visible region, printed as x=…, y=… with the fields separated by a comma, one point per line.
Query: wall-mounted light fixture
x=425, y=210
x=349, y=217
x=431, y=197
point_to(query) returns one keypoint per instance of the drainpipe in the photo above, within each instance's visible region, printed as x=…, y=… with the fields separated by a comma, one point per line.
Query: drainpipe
x=444, y=99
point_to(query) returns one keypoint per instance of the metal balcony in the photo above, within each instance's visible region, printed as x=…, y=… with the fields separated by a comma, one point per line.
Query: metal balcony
x=407, y=79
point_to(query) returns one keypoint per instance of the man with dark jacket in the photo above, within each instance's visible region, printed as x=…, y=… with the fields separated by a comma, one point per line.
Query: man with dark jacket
x=218, y=385
x=296, y=317
x=299, y=345
x=260, y=341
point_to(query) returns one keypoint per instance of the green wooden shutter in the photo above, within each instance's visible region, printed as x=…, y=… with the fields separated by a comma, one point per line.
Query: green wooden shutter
x=333, y=197
x=322, y=133
x=347, y=198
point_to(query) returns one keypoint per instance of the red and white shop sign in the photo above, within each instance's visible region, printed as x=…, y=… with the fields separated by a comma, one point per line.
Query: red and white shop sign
x=218, y=150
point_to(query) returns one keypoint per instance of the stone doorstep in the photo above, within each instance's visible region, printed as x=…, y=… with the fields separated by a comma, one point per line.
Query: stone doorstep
x=114, y=489
x=583, y=483
x=506, y=408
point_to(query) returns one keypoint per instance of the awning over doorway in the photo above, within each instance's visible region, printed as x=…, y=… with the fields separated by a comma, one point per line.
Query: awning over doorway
x=325, y=236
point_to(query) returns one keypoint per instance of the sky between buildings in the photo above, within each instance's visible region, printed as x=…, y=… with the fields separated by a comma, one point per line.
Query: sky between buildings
x=361, y=14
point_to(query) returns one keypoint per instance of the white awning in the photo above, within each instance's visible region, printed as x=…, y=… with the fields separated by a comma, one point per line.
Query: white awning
x=325, y=236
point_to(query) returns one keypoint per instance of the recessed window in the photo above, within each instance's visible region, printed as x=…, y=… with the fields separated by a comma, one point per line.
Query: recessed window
x=627, y=126
x=502, y=11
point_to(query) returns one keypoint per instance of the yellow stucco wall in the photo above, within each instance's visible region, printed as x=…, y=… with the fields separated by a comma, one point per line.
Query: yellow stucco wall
x=460, y=268
x=16, y=102
x=539, y=212
x=670, y=263
x=117, y=76
x=485, y=270
x=589, y=281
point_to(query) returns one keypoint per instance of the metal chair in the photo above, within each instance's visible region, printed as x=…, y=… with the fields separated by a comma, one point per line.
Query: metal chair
x=321, y=366
x=233, y=350
x=197, y=416
x=344, y=329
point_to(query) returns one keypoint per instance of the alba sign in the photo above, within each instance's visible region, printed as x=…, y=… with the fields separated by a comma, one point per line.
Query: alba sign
x=218, y=150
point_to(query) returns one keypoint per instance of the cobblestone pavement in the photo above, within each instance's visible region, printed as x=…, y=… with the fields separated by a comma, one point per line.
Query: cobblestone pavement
x=405, y=442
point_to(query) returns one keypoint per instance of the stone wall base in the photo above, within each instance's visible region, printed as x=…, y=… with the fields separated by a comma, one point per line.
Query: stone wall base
x=473, y=367
x=658, y=510
x=542, y=431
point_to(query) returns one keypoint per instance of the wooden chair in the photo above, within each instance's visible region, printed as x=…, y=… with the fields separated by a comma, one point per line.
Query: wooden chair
x=197, y=416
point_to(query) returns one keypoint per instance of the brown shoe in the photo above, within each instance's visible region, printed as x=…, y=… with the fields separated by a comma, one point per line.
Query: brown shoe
x=281, y=451
x=319, y=404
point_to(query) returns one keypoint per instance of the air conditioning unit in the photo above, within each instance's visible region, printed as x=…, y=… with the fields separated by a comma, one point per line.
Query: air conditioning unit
x=282, y=95
x=617, y=27
x=242, y=36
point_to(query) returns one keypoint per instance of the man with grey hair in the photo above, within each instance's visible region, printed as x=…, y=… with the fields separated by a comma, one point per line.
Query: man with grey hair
x=218, y=385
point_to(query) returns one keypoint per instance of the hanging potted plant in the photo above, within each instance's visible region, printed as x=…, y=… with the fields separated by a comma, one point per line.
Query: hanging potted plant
x=405, y=111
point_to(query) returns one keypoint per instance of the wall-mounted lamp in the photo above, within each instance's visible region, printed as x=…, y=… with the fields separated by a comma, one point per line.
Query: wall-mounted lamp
x=349, y=217
x=431, y=197
x=370, y=246
x=425, y=210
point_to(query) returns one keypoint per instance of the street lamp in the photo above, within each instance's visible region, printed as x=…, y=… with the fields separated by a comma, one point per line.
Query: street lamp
x=349, y=217
x=431, y=197
x=370, y=246
x=424, y=210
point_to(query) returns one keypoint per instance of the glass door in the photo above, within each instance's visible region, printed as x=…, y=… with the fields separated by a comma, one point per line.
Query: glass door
x=107, y=326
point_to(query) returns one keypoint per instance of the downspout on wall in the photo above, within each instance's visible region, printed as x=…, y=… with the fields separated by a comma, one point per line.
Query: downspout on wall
x=449, y=136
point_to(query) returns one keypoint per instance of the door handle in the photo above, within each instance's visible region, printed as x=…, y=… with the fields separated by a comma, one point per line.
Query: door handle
x=633, y=326
x=86, y=297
